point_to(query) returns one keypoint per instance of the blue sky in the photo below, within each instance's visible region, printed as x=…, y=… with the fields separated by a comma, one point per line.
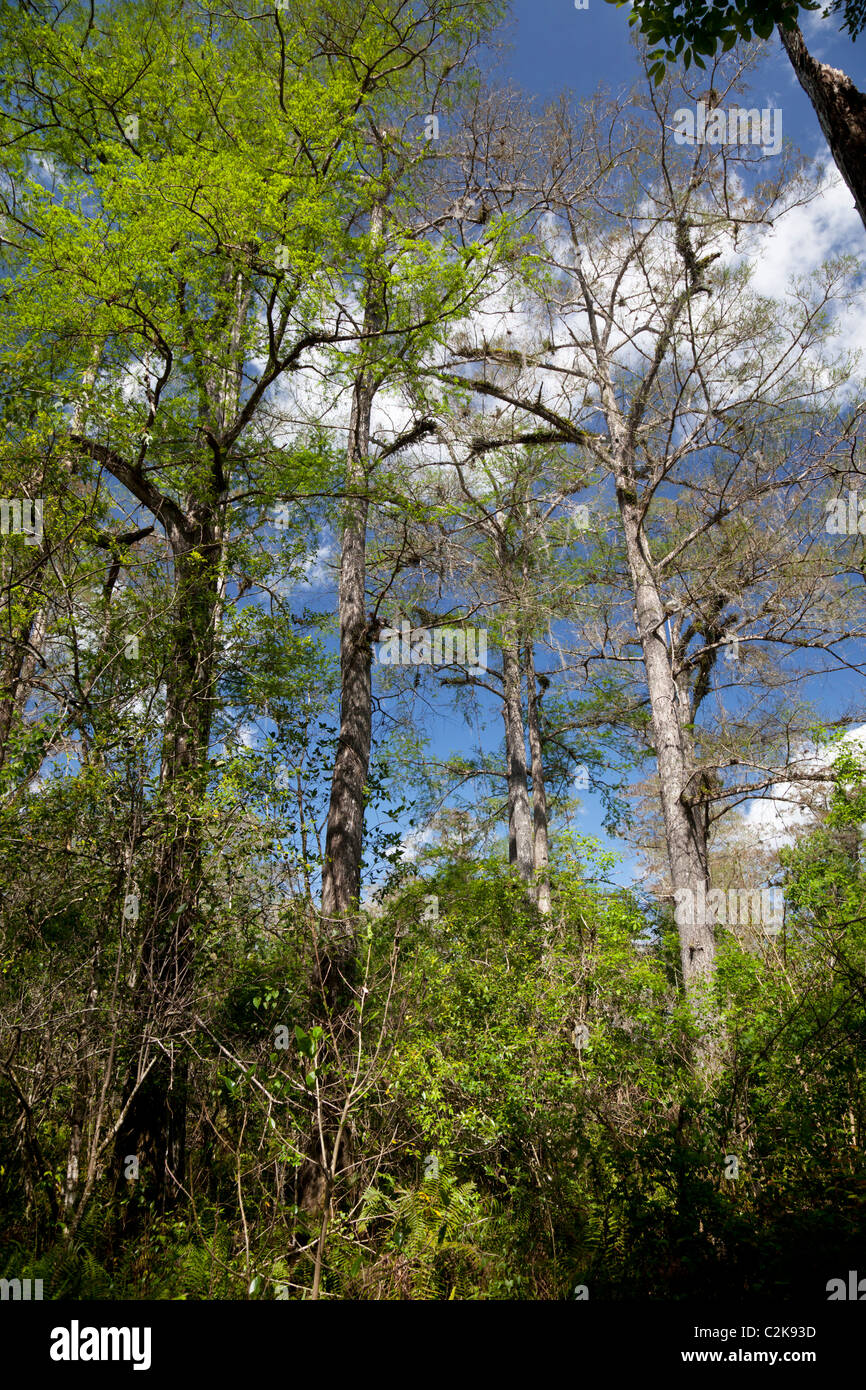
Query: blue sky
x=554, y=47
x=550, y=48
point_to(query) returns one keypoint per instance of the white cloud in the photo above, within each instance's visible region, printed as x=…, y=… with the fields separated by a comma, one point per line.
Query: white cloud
x=777, y=819
x=319, y=569
x=803, y=238
x=414, y=841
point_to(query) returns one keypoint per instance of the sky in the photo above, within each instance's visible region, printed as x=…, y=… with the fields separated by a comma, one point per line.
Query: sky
x=554, y=47
x=550, y=47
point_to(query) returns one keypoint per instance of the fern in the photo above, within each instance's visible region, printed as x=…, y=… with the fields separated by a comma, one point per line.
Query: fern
x=433, y=1234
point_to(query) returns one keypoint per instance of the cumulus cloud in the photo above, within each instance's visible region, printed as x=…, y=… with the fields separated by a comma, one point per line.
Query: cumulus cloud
x=778, y=819
x=319, y=568
x=415, y=841
x=803, y=238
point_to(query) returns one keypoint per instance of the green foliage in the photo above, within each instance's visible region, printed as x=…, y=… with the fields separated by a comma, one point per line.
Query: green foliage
x=558, y=1165
x=449, y=1094
x=430, y=1238
x=694, y=30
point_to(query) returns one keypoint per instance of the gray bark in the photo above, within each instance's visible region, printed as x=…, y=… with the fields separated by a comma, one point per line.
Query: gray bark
x=25, y=653
x=344, y=839
x=540, y=849
x=341, y=879
x=519, y=817
x=841, y=111
x=685, y=830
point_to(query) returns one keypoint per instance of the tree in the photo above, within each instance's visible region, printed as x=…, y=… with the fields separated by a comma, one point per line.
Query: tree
x=679, y=409
x=421, y=211
x=201, y=247
x=694, y=29
x=521, y=378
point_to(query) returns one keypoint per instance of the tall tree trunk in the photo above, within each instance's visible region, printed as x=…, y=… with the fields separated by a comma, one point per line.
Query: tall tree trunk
x=76, y=1125
x=156, y=1121
x=341, y=881
x=336, y=947
x=344, y=838
x=540, y=850
x=81, y=1093
x=841, y=110
x=344, y=841
x=519, y=818
x=685, y=830
x=25, y=651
